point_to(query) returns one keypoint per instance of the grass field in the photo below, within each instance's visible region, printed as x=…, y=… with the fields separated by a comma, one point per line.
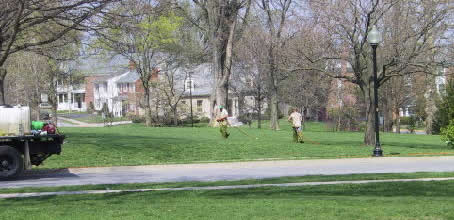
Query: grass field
x=410, y=200
x=138, y=145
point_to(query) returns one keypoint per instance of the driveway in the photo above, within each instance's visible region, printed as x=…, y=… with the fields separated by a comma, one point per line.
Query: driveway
x=229, y=171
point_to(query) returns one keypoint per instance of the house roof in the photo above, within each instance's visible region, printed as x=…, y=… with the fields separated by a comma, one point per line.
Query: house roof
x=94, y=65
x=102, y=78
x=203, y=80
x=129, y=77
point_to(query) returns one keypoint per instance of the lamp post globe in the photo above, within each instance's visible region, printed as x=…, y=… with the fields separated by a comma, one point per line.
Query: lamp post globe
x=373, y=37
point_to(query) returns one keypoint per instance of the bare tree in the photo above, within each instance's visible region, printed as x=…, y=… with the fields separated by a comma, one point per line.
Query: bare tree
x=275, y=25
x=250, y=56
x=171, y=86
x=346, y=24
x=22, y=20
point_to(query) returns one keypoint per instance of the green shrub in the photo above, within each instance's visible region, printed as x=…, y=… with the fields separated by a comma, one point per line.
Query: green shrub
x=344, y=119
x=204, y=120
x=411, y=124
x=404, y=120
x=445, y=108
x=447, y=134
x=137, y=118
x=91, y=108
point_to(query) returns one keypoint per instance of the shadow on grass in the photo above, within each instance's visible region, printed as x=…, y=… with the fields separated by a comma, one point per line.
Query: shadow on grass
x=396, y=189
x=416, y=145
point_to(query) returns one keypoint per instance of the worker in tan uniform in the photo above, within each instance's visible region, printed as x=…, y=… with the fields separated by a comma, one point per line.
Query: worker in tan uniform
x=295, y=118
x=221, y=118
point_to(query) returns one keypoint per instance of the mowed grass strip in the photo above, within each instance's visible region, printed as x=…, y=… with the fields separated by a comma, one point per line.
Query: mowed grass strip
x=139, y=145
x=409, y=200
x=293, y=179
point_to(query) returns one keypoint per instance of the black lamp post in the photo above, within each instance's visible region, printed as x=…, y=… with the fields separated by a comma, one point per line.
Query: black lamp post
x=373, y=39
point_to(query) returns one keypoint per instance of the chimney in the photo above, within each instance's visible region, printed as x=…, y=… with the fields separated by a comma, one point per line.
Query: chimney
x=132, y=65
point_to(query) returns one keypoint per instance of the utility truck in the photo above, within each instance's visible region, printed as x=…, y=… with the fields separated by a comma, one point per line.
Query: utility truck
x=21, y=147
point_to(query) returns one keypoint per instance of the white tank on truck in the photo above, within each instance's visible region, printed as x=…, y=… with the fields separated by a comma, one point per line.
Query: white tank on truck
x=14, y=121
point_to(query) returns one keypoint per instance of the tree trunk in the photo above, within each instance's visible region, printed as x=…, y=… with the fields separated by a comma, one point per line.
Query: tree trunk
x=430, y=106
x=222, y=39
x=221, y=95
x=369, y=133
x=259, y=115
x=274, y=119
x=388, y=111
x=175, y=116
x=2, y=86
x=397, y=120
x=241, y=104
x=213, y=105
x=259, y=104
x=147, y=108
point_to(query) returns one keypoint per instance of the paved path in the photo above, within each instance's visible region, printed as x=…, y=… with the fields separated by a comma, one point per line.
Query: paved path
x=76, y=123
x=36, y=194
x=231, y=171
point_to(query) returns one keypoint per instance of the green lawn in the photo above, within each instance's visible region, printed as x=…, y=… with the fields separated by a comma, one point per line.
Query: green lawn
x=138, y=145
x=410, y=200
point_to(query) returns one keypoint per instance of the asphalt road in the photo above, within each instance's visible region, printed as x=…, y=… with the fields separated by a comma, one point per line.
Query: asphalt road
x=229, y=171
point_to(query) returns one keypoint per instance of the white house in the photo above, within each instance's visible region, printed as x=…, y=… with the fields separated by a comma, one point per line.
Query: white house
x=116, y=91
x=71, y=97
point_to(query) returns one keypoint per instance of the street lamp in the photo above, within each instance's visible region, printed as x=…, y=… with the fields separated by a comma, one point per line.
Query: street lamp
x=373, y=39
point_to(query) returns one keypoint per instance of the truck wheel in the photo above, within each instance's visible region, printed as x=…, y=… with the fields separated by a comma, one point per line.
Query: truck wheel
x=11, y=163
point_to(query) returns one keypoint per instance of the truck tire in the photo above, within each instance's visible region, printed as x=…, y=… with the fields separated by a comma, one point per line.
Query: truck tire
x=11, y=163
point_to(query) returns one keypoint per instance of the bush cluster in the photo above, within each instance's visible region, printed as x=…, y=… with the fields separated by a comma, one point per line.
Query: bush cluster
x=447, y=134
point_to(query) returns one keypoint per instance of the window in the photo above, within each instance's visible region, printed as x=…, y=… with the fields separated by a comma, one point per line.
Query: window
x=60, y=98
x=188, y=84
x=132, y=87
x=97, y=88
x=248, y=81
x=199, y=105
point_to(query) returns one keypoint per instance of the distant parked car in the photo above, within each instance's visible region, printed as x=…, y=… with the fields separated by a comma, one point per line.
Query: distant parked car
x=45, y=110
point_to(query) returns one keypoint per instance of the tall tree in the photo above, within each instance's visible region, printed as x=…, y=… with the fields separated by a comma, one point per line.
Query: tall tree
x=220, y=26
x=140, y=31
x=276, y=16
x=22, y=20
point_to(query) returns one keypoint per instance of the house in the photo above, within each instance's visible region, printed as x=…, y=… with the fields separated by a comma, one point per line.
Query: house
x=120, y=92
x=123, y=93
x=71, y=97
x=198, y=86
